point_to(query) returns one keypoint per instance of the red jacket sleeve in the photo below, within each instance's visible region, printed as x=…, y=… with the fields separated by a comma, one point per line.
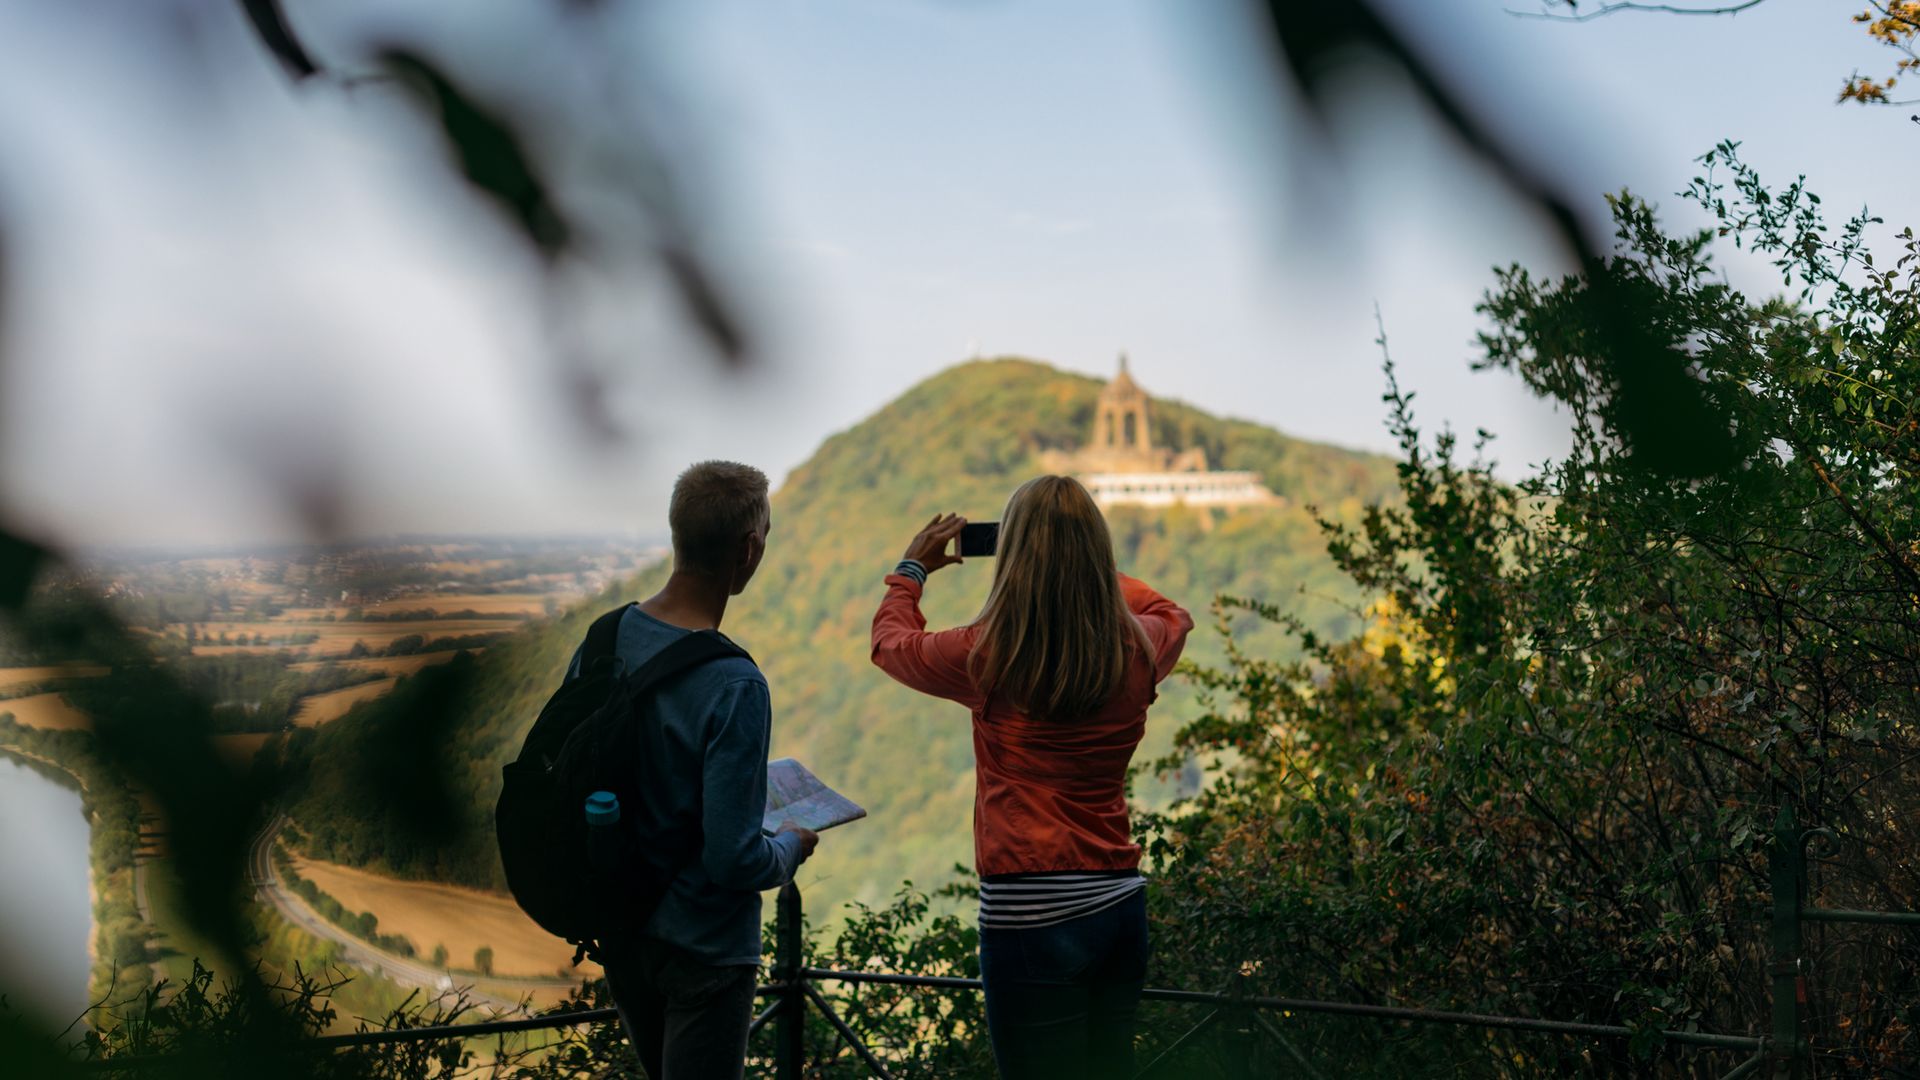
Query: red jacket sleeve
x=1165, y=622
x=930, y=663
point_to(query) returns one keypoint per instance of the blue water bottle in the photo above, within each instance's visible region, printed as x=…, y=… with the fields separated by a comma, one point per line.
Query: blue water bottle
x=603, y=831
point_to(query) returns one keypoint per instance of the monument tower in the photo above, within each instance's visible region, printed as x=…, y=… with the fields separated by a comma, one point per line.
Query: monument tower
x=1122, y=419
x=1121, y=465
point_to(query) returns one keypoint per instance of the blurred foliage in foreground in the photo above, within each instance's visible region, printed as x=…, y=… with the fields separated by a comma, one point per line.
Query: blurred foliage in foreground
x=1540, y=781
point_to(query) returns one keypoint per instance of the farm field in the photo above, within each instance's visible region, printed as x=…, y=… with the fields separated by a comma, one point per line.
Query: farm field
x=153, y=827
x=457, y=567
x=49, y=711
x=336, y=638
x=317, y=709
x=463, y=920
x=26, y=676
x=239, y=750
x=385, y=665
x=522, y=603
x=254, y=632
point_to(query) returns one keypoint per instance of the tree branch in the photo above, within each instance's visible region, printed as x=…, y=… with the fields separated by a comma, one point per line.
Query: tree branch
x=1613, y=9
x=1903, y=568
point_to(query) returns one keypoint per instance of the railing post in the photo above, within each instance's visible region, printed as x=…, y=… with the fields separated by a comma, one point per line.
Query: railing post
x=1787, y=863
x=790, y=1049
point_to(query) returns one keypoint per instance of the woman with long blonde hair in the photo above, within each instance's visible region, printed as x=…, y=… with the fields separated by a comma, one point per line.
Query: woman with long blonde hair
x=1057, y=670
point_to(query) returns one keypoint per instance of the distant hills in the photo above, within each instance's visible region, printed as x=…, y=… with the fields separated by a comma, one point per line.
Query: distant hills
x=960, y=441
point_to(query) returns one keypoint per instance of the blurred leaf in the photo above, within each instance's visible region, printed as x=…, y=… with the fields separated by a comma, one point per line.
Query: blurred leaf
x=704, y=302
x=271, y=24
x=1664, y=415
x=20, y=560
x=489, y=153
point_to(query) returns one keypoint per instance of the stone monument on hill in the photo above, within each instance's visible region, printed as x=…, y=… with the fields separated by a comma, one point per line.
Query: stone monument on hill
x=1121, y=466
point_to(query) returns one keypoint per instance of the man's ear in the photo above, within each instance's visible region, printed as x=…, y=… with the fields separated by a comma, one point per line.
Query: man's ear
x=750, y=550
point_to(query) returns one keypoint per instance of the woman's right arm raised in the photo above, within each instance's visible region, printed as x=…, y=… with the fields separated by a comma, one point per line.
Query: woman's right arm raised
x=930, y=663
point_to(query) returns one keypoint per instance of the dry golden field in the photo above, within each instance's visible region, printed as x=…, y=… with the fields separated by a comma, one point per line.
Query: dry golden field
x=306, y=614
x=430, y=914
x=484, y=603
x=317, y=709
x=336, y=639
x=49, y=711
x=22, y=676
x=466, y=566
x=385, y=665
x=239, y=750
x=152, y=843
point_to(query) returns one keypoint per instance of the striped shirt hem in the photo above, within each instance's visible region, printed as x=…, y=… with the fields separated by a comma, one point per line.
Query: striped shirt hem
x=1032, y=901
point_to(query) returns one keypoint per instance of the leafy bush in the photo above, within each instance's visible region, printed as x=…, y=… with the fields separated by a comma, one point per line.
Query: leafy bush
x=1542, y=780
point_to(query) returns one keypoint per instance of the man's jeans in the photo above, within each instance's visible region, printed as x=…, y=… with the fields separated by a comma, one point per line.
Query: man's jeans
x=687, y=1019
x=1061, y=999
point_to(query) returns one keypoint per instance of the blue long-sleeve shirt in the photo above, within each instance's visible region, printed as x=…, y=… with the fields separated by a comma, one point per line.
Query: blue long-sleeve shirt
x=706, y=763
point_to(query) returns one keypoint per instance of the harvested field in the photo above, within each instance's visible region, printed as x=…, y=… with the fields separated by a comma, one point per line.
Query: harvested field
x=152, y=843
x=236, y=650
x=239, y=750
x=430, y=914
x=26, y=676
x=385, y=665
x=220, y=566
x=336, y=639
x=49, y=711
x=467, y=566
x=317, y=709
x=524, y=603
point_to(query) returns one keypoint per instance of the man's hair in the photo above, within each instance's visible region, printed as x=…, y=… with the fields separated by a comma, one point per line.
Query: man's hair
x=714, y=504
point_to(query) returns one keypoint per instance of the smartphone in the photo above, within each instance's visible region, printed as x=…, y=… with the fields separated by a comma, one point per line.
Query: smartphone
x=979, y=538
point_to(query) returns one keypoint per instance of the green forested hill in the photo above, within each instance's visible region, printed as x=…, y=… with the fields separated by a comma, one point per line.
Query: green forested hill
x=959, y=441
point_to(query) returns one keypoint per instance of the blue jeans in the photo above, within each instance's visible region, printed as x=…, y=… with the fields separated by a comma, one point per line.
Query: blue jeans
x=1061, y=999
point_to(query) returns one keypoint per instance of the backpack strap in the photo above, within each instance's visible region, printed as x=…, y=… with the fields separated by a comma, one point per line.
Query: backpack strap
x=690, y=651
x=601, y=637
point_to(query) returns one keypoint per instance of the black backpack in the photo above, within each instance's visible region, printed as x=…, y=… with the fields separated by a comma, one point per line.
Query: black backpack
x=585, y=740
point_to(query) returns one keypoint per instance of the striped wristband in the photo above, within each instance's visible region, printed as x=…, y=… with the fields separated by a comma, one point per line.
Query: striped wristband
x=912, y=568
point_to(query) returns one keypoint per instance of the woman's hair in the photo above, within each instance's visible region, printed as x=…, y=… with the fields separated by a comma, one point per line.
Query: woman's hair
x=1055, y=631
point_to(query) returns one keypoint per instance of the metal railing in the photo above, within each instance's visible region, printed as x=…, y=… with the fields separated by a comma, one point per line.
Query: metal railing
x=1784, y=1052
x=793, y=990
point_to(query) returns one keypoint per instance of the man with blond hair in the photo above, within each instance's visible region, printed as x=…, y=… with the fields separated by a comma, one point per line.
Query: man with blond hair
x=684, y=980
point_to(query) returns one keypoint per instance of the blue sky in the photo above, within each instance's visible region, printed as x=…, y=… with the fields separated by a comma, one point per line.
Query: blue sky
x=209, y=258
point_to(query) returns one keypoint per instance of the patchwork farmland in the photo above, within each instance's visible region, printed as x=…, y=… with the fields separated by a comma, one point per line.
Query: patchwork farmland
x=274, y=642
x=462, y=921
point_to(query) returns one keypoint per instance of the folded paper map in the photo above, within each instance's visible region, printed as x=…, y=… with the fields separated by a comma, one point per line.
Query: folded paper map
x=796, y=795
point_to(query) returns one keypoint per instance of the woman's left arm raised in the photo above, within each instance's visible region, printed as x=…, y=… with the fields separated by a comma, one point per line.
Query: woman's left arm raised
x=1165, y=622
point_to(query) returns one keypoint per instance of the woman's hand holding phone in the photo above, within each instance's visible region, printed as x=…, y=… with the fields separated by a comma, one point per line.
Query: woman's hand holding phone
x=929, y=548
